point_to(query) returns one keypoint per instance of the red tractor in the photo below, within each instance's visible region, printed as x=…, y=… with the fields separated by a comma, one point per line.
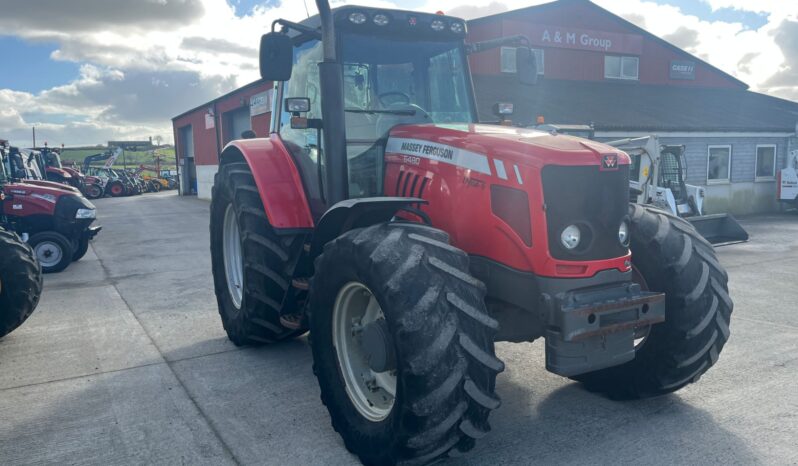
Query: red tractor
x=56, y=220
x=407, y=239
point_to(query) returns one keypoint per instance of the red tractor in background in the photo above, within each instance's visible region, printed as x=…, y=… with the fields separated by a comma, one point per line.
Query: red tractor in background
x=55, y=220
x=408, y=238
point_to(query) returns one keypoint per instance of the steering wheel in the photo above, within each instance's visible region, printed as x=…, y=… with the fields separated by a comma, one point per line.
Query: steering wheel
x=404, y=99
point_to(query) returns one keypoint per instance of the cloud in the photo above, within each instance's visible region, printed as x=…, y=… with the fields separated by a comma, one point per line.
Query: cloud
x=97, y=15
x=683, y=38
x=477, y=11
x=216, y=45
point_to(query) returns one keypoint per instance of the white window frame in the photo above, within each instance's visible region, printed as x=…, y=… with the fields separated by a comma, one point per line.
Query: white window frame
x=756, y=163
x=726, y=180
x=620, y=70
x=540, y=58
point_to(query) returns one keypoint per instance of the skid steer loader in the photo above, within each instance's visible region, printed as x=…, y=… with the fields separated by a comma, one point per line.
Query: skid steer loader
x=657, y=177
x=787, y=181
x=408, y=238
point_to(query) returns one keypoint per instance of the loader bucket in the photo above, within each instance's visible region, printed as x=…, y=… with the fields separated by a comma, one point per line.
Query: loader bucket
x=719, y=229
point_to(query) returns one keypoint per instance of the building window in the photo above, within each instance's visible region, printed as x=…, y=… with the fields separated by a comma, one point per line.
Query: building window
x=508, y=60
x=617, y=67
x=765, y=162
x=718, y=164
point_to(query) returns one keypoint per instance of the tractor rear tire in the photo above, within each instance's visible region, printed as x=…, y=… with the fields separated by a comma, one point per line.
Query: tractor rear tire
x=53, y=250
x=266, y=260
x=81, y=248
x=117, y=189
x=20, y=282
x=672, y=258
x=93, y=191
x=440, y=331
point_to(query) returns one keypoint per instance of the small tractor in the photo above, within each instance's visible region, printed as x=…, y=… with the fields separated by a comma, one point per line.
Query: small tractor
x=407, y=239
x=787, y=181
x=657, y=178
x=20, y=280
x=55, y=220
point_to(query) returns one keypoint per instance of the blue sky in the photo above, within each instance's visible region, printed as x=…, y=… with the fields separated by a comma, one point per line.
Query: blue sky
x=86, y=71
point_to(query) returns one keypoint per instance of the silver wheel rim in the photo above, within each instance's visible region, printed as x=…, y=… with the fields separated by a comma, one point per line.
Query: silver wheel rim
x=48, y=253
x=372, y=393
x=233, y=263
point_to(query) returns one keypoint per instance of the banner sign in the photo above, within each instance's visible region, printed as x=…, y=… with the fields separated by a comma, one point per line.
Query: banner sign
x=260, y=103
x=681, y=69
x=574, y=38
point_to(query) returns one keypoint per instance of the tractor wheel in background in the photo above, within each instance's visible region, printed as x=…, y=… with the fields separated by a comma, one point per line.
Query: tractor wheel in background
x=53, y=250
x=116, y=189
x=402, y=344
x=251, y=263
x=155, y=186
x=671, y=257
x=93, y=191
x=81, y=247
x=20, y=282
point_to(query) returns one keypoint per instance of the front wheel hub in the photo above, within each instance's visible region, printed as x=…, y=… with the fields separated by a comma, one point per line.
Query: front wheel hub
x=378, y=346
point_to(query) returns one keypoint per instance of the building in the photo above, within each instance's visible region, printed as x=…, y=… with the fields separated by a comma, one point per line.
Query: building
x=202, y=132
x=594, y=68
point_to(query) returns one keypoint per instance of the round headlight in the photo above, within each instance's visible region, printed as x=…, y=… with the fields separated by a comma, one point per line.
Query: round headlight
x=457, y=27
x=381, y=19
x=357, y=17
x=570, y=237
x=437, y=25
x=623, y=234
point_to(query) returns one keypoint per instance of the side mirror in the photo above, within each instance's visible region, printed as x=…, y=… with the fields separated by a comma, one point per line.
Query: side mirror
x=276, y=57
x=526, y=66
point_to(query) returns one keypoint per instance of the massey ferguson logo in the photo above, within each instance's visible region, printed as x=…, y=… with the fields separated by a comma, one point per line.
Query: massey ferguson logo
x=609, y=162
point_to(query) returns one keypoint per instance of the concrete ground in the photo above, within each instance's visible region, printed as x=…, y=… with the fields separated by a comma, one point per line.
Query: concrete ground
x=125, y=361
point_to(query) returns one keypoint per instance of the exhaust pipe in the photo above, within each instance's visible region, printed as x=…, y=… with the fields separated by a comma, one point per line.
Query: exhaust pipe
x=336, y=180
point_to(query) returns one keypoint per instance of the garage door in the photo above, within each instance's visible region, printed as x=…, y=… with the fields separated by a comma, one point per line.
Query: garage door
x=238, y=121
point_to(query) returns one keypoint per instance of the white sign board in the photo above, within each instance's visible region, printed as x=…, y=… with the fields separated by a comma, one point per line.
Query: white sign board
x=261, y=103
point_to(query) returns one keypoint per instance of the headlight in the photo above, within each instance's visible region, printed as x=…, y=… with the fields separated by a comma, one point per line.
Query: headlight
x=381, y=19
x=570, y=237
x=623, y=234
x=357, y=17
x=457, y=27
x=86, y=213
x=437, y=25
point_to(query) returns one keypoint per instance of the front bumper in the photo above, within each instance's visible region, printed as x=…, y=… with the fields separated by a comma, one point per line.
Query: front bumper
x=91, y=232
x=594, y=328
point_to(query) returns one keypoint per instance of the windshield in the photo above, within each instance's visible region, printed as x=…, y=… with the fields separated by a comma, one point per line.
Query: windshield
x=52, y=159
x=409, y=81
x=3, y=162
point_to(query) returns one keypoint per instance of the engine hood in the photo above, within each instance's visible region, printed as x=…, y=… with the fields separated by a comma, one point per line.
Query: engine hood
x=59, y=171
x=528, y=147
x=26, y=188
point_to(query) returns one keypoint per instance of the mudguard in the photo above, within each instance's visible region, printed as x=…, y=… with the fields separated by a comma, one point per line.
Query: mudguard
x=277, y=179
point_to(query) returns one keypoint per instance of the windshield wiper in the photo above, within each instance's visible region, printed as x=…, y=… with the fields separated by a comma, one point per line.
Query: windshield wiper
x=408, y=111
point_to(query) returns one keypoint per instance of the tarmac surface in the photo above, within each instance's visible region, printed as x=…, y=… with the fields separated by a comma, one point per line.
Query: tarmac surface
x=125, y=362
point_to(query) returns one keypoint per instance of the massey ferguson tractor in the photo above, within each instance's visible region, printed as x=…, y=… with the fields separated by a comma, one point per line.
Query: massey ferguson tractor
x=407, y=239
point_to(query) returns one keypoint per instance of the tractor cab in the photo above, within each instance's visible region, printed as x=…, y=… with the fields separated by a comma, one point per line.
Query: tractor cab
x=396, y=68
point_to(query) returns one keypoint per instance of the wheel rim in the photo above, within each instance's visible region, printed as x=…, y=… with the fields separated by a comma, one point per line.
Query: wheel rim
x=372, y=393
x=233, y=263
x=48, y=253
x=641, y=333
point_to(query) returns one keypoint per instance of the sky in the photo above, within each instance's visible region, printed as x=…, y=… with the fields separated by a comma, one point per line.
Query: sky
x=88, y=71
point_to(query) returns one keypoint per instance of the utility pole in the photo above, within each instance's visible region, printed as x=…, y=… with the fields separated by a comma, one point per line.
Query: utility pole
x=34, y=136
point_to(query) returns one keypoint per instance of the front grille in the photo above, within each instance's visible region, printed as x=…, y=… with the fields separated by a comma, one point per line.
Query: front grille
x=596, y=201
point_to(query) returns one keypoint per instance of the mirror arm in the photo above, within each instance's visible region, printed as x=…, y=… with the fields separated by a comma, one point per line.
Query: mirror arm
x=313, y=33
x=513, y=41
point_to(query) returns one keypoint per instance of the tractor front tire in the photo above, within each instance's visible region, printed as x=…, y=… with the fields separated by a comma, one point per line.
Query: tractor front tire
x=81, y=248
x=433, y=313
x=250, y=301
x=117, y=189
x=672, y=258
x=20, y=282
x=53, y=250
x=93, y=191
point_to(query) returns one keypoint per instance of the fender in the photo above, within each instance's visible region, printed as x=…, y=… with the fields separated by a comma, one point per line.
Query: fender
x=357, y=213
x=277, y=179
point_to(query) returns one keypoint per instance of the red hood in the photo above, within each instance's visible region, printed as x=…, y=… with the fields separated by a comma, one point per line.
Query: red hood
x=25, y=188
x=60, y=171
x=524, y=146
x=73, y=172
x=51, y=184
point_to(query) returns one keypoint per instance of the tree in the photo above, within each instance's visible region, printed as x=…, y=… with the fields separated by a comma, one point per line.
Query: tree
x=158, y=140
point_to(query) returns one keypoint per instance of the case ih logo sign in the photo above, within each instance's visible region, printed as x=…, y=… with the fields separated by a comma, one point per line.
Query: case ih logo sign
x=609, y=162
x=682, y=69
